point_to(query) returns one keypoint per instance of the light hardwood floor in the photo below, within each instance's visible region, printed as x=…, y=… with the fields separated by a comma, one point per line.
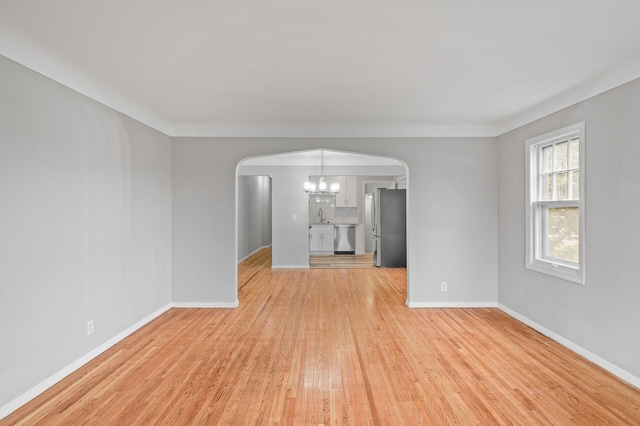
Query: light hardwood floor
x=359, y=261
x=334, y=346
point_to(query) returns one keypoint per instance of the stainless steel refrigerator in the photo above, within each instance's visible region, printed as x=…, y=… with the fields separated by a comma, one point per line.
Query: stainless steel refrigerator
x=389, y=219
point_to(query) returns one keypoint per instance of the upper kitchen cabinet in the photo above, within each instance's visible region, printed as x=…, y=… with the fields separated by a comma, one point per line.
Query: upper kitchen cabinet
x=347, y=197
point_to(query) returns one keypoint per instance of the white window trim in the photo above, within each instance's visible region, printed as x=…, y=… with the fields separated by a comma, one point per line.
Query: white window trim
x=533, y=261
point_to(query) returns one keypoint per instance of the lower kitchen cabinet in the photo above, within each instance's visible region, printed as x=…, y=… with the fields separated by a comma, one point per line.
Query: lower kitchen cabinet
x=321, y=239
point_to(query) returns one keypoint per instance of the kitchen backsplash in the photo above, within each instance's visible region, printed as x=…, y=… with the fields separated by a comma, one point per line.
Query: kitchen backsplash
x=330, y=213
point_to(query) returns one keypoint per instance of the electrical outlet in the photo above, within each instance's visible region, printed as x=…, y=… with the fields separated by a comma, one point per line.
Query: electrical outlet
x=443, y=286
x=89, y=327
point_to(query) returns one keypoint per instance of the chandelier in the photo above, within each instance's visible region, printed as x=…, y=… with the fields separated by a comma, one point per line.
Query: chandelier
x=311, y=188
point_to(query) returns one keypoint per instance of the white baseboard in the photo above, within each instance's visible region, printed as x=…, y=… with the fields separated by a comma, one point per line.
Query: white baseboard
x=212, y=305
x=252, y=253
x=611, y=368
x=16, y=403
x=451, y=304
x=289, y=266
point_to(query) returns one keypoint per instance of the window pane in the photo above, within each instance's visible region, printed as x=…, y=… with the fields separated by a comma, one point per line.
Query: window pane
x=575, y=185
x=546, y=187
x=547, y=159
x=561, y=156
x=574, y=149
x=563, y=239
x=562, y=187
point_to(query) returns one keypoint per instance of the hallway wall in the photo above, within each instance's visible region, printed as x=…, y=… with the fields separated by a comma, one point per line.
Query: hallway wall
x=254, y=214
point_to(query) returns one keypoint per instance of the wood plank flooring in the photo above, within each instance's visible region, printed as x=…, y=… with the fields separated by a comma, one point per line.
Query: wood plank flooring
x=338, y=347
x=249, y=268
x=342, y=261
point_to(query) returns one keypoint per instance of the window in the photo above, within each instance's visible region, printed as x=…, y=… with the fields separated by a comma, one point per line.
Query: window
x=555, y=203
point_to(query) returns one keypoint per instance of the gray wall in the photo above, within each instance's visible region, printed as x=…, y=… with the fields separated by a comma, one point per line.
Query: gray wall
x=85, y=226
x=452, y=215
x=601, y=316
x=254, y=214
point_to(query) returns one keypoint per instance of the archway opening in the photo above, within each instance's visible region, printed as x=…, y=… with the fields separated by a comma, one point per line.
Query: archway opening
x=292, y=212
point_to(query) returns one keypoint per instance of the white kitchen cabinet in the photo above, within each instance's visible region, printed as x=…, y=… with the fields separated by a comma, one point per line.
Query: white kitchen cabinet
x=347, y=195
x=321, y=239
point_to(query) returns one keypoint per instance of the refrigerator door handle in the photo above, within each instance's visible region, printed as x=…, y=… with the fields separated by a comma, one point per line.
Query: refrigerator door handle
x=373, y=214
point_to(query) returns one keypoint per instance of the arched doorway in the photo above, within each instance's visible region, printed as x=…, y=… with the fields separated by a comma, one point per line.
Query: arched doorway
x=290, y=204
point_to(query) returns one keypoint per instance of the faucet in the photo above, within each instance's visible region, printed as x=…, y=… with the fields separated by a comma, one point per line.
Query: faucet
x=321, y=214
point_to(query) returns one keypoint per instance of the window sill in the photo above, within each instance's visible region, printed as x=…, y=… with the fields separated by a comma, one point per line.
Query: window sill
x=563, y=272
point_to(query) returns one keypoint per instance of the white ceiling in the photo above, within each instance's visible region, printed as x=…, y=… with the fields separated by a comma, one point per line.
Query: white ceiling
x=328, y=67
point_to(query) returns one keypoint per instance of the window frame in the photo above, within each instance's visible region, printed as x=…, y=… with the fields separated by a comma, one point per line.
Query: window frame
x=536, y=235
